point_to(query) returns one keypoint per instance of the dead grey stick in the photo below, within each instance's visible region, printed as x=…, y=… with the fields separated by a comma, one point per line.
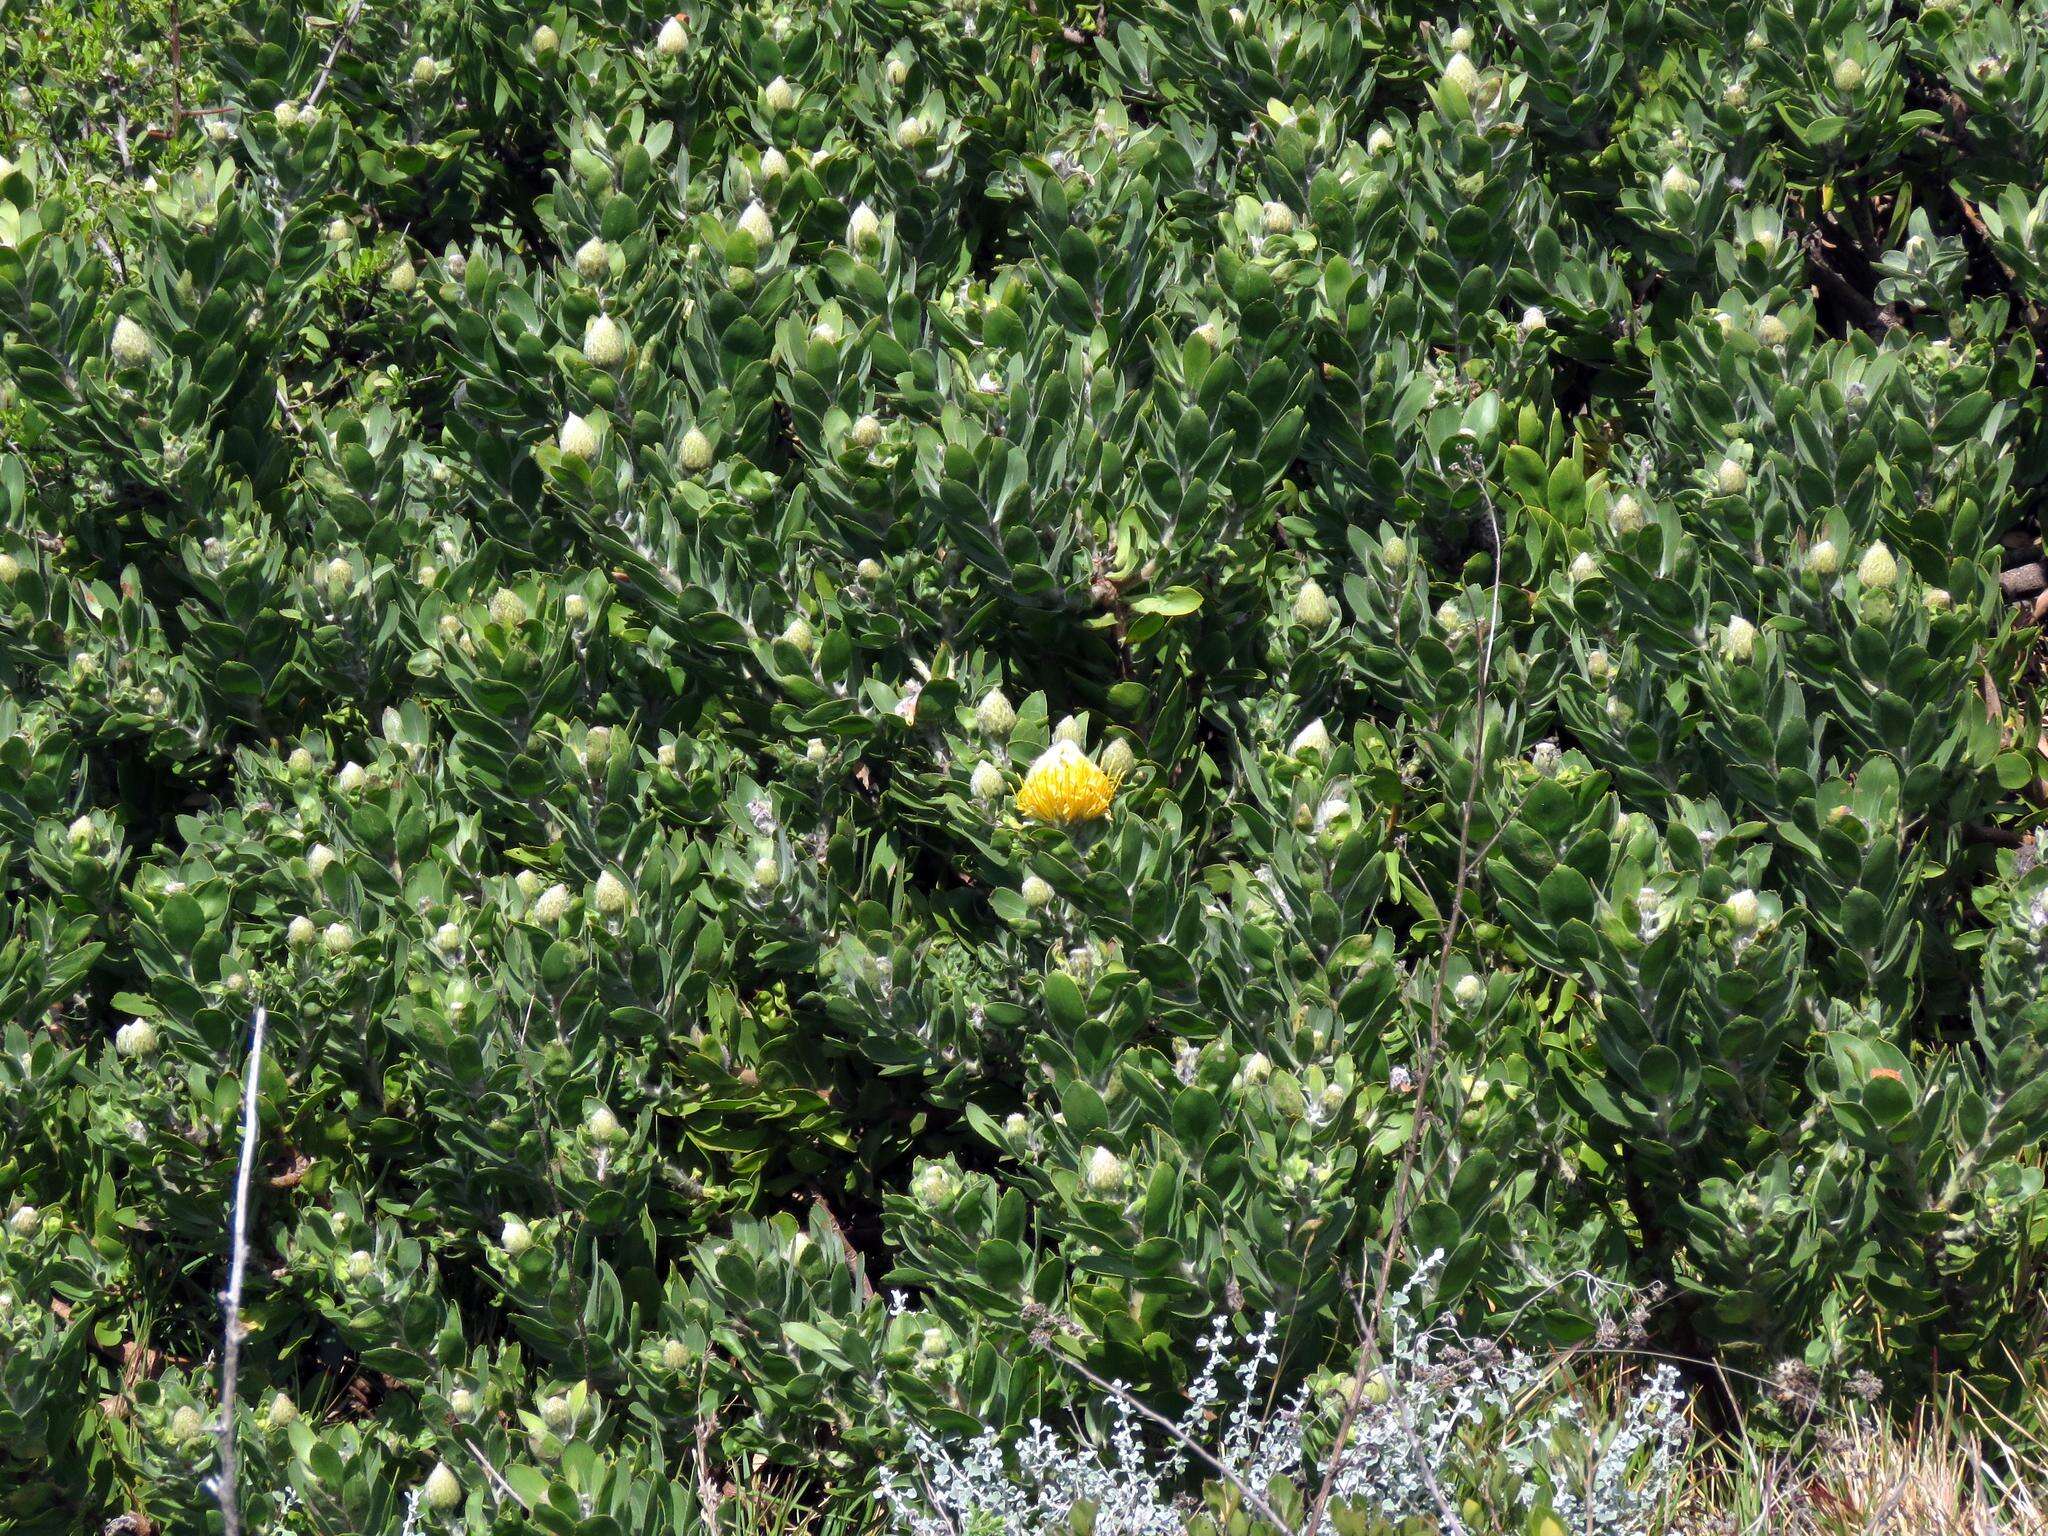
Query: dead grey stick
x=238, y=1260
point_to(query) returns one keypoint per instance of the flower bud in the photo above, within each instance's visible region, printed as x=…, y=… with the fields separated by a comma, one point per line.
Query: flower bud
x=462, y=1402
x=602, y=1124
x=1469, y=990
x=994, y=713
x=301, y=933
x=578, y=439
x=774, y=164
x=910, y=133
x=1104, y=1172
x=1583, y=567
x=1037, y=893
x=1742, y=909
x=896, y=72
x=778, y=95
x=1533, y=320
x=187, y=1424
x=987, y=781
x=814, y=750
x=551, y=906
x=798, y=634
x=1772, y=331
x=1848, y=76
x=1277, y=219
x=281, y=1411
x=1546, y=759
x=507, y=609
x=1731, y=477
x=593, y=259
x=597, y=746
x=1936, y=600
x=515, y=1237
x=669, y=42
x=403, y=277
x=865, y=432
x=1073, y=730
x=1312, y=606
x=767, y=873
x=1738, y=641
x=448, y=938
x=1313, y=737
x=611, y=895
x=136, y=1038
x=1117, y=759
x=695, y=452
x=1599, y=668
x=1735, y=95
x=1877, y=570
x=545, y=39
x=82, y=833
x=338, y=938
x=1462, y=73
x=10, y=570
x=130, y=344
x=360, y=1263
x=933, y=1184
x=1823, y=559
x=425, y=71
x=675, y=1354
x=1625, y=515
x=604, y=344
x=1678, y=182
x=1379, y=141
x=442, y=1490
x=863, y=229
x=1450, y=618
x=286, y=115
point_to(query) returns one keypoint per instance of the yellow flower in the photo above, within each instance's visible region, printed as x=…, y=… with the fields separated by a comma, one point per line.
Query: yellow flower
x=1064, y=787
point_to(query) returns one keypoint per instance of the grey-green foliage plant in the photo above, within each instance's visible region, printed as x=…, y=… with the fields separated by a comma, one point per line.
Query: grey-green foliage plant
x=544, y=547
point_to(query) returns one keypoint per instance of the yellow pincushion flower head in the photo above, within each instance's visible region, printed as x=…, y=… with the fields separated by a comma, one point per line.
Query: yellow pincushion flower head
x=1063, y=787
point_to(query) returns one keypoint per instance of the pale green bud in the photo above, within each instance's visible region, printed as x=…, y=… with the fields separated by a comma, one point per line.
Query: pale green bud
x=507, y=608
x=611, y=895
x=130, y=345
x=1104, y=1172
x=578, y=439
x=593, y=259
x=1312, y=606
x=1877, y=570
x=442, y=1490
x=604, y=344
x=994, y=714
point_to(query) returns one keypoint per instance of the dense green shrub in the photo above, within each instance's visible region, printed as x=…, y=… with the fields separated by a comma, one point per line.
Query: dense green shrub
x=540, y=546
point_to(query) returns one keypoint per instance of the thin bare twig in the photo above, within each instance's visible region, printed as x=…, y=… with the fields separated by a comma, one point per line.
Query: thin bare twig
x=491, y=1472
x=1396, y=1228
x=333, y=52
x=238, y=1261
